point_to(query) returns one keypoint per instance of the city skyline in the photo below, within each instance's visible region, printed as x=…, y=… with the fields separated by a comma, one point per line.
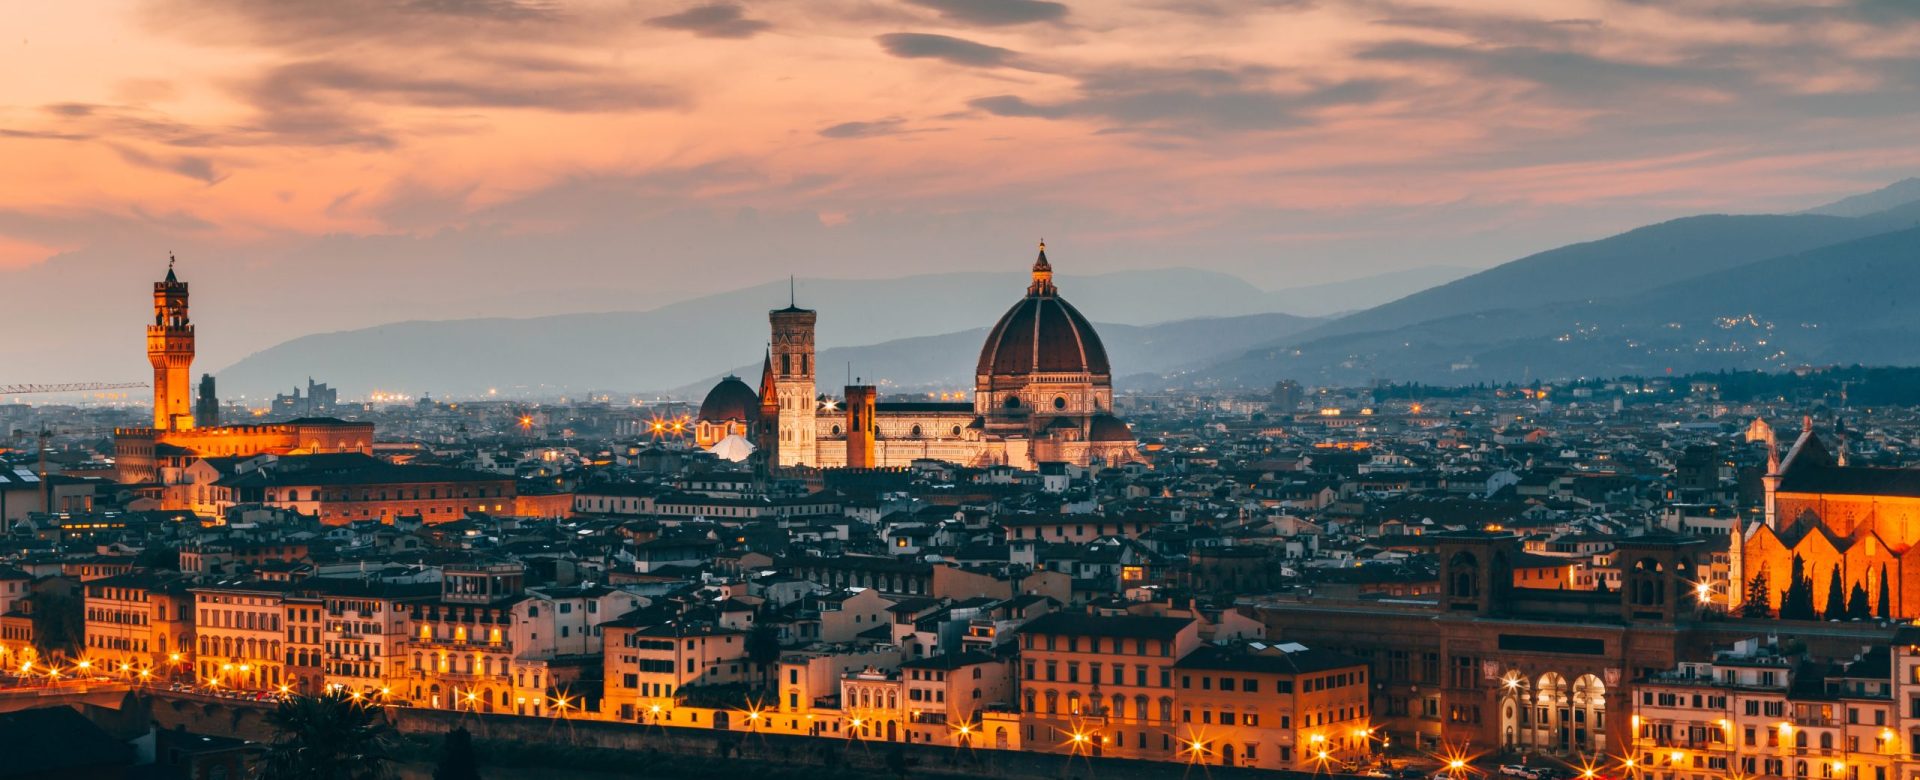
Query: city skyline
x=665, y=150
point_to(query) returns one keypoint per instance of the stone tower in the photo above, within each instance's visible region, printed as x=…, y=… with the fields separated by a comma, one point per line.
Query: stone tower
x=793, y=386
x=862, y=429
x=170, y=350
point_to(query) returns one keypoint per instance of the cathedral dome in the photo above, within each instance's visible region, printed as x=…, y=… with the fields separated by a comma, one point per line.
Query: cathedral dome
x=1043, y=334
x=732, y=399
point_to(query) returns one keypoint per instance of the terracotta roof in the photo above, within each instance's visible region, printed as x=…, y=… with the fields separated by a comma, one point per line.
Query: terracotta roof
x=732, y=399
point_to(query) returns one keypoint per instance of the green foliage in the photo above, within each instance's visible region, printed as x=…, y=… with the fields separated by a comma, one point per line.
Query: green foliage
x=59, y=623
x=162, y=558
x=1836, y=596
x=1857, y=608
x=1886, y=595
x=1759, y=600
x=328, y=737
x=1797, y=603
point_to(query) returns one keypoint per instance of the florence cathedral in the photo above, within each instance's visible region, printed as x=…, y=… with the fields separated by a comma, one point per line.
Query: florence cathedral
x=1043, y=392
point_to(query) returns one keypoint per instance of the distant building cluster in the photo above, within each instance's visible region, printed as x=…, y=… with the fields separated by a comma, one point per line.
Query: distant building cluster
x=1633, y=578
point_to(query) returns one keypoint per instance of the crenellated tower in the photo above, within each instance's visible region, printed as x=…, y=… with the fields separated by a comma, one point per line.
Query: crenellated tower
x=791, y=362
x=170, y=350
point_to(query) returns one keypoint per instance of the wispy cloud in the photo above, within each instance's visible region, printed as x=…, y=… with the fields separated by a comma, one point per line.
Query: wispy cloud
x=718, y=20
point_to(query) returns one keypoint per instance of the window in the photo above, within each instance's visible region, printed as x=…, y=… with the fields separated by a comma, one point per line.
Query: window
x=1060, y=402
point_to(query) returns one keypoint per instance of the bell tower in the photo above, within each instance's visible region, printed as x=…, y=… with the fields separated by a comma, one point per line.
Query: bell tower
x=791, y=364
x=170, y=350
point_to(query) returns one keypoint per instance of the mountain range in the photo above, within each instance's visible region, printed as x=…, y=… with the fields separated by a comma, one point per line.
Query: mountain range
x=1773, y=291
x=670, y=348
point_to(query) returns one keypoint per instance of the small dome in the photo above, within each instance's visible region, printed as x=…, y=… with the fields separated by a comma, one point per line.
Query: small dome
x=733, y=400
x=1106, y=427
x=1043, y=334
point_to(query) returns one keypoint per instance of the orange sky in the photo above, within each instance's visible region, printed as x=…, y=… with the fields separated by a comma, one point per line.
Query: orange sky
x=427, y=150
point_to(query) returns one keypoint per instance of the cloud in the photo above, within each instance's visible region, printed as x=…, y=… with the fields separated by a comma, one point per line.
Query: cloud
x=1486, y=27
x=996, y=13
x=958, y=51
x=1586, y=79
x=1189, y=100
x=192, y=166
x=719, y=20
x=891, y=126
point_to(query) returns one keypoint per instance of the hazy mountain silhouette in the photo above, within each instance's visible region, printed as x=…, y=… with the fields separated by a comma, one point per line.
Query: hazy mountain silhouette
x=683, y=343
x=1844, y=303
x=1892, y=196
x=1485, y=326
x=946, y=362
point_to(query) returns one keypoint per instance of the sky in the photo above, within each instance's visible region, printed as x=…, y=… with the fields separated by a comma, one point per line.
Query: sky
x=321, y=165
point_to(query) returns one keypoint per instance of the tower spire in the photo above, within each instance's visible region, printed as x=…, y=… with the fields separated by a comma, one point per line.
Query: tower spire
x=1042, y=273
x=170, y=276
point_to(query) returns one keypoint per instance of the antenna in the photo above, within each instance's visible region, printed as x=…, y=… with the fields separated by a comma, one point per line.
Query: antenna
x=792, y=300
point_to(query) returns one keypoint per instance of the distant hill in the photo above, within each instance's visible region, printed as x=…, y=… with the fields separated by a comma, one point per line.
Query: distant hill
x=1846, y=303
x=1631, y=262
x=1320, y=300
x=1475, y=328
x=1891, y=196
x=946, y=361
x=682, y=343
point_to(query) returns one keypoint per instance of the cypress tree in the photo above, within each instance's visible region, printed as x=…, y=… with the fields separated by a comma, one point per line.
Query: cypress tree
x=1797, y=603
x=1886, y=595
x=1759, y=600
x=1836, y=596
x=1857, y=607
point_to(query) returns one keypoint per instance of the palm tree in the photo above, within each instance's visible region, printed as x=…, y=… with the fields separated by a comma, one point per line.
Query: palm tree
x=331, y=736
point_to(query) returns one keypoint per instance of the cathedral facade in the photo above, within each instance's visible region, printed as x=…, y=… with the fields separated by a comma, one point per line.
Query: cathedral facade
x=1043, y=391
x=1861, y=522
x=160, y=453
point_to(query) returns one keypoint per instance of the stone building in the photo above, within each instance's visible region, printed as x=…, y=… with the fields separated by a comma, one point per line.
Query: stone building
x=1043, y=391
x=161, y=452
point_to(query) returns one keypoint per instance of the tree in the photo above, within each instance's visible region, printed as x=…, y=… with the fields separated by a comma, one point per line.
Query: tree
x=159, y=557
x=1886, y=595
x=59, y=623
x=763, y=647
x=331, y=736
x=1759, y=600
x=1836, y=596
x=1797, y=603
x=1857, y=607
x=457, y=761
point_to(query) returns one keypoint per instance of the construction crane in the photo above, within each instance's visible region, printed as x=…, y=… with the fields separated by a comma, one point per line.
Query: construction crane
x=69, y=387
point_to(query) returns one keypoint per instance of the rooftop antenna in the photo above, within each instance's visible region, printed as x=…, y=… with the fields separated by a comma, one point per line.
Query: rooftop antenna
x=792, y=300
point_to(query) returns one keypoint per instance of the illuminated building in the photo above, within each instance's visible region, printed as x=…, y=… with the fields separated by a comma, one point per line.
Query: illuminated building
x=1043, y=391
x=161, y=452
x=364, y=631
x=240, y=635
x=1761, y=710
x=1862, y=521
x=139, y=621
x=343, y=488
x=460, y=648
x=1145, y=687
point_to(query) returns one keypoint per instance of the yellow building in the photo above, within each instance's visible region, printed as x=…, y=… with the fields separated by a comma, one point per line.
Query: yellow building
x=242, y=636
x=139, y=626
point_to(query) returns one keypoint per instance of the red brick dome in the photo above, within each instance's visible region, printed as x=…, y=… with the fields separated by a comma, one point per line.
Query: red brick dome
x=732, y=400
x=1043, y=334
